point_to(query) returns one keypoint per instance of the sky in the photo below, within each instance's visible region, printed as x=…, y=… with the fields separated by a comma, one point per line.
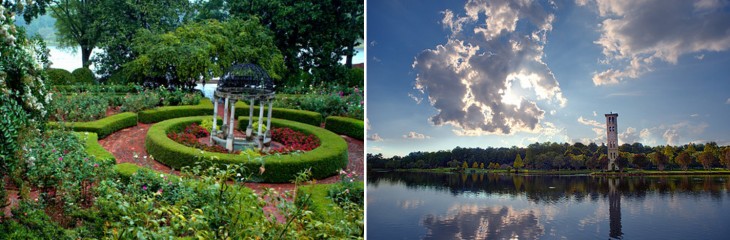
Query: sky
x=478, y=73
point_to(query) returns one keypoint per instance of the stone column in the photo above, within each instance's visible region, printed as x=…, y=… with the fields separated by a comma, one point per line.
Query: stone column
x=225, y=116
x=229, y=141
x=215, y=118
x=268, y=123
x=261, y=119
x=249, y=129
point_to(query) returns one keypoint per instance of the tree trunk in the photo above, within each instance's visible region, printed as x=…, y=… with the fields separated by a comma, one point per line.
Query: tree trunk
x=350, y=51
x=85, y=55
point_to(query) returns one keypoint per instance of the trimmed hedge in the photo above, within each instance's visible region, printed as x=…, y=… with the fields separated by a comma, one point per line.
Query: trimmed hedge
x=346, y=126
x=105, y=126
x=58, y=76
x=125, y=170
x=93, y=147
x=324, y=161
x=206, y=108
x=302, y=116
x=83, y=76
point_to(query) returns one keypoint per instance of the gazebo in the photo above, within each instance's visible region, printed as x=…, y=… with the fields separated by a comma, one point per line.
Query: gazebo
x=244, y=82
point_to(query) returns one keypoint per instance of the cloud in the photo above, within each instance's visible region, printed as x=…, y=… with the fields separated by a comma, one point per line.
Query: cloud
x=727, y=101
x=373, y=43
x=472, y=79
x=671, y=136
x=375, y=138
x=376, y=59
x=415, y=135
x=635, y=34
x=590, y=122
x=700, y=57
x=694, y=115
x=415, y=98
x=629, y=136
x=595, y=114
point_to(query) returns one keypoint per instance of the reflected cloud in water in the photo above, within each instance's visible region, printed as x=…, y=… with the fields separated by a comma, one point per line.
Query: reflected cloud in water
x=474, y=222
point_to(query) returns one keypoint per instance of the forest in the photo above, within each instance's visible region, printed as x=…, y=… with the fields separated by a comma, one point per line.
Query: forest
x=560, y=156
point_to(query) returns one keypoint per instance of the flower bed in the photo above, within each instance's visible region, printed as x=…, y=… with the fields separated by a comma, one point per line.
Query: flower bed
x=324, y=160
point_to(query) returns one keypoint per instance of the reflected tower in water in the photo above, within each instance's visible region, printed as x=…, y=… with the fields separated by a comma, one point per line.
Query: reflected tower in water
x=614, y=209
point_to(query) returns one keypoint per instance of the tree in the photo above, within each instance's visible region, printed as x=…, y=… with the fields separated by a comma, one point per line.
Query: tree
x=518, y=162
x=725, y=157
x=706, y=158
x=669, y=152
x=684, y=159
x=124, y=19
x=79, y=23
x=640, y=160
x=481, y=165
x=465, y=165
x=530, y=158
x=577, y=161
x=312, y=34
x=659, y=159
x=203, y=50
x=475, y=165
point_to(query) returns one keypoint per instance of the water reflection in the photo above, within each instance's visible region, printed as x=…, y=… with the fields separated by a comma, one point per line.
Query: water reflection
x=541, y=189
x=491, y=206
x=614, y=203
x=474, y=222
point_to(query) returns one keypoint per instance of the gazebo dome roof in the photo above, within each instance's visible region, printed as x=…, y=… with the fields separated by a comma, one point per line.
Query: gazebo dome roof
x=245, y=81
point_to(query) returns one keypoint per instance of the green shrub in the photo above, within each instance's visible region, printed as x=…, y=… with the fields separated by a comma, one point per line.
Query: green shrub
x=324, y=161
x=346, y=126
x=140, y=101
x=101, y=88
x=83, y=76
x=205, y=107
x=102, y=127
x=327, y=213
x=93, y=147
x=125, y=170
x=302, y=116
x=356, y=77
x=57, y=76
x=79, y=107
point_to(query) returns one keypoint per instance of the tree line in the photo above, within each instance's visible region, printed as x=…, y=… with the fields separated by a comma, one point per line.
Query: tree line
x=557, y=156
x=308, y=36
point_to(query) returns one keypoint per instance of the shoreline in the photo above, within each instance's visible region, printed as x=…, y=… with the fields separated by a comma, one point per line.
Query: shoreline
x=568, y=172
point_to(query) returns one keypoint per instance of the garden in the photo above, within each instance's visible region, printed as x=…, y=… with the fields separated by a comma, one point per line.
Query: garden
x=127, y=150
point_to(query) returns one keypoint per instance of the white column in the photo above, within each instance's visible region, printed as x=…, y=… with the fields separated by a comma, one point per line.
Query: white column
x=215, y=118
x=261, y=123
x=249, y=129
x=267, y=135
x=229, y=141
x=268, y=119
x=225, y=115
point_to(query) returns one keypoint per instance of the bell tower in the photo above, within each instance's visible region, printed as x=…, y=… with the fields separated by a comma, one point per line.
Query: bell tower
x=612, y=140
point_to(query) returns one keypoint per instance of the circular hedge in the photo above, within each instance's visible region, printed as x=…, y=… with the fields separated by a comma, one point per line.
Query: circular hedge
x=324, y=160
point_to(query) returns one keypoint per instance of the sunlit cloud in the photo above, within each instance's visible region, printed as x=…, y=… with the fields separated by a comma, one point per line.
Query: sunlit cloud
x=636, y=34
x=472, y=80
x=375, y=138
x=415, y=135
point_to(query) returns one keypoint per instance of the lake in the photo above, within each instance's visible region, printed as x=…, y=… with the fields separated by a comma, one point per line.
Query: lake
x=405, y=205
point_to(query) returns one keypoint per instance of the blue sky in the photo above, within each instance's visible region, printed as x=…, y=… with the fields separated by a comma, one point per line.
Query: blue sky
x=442, y=74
